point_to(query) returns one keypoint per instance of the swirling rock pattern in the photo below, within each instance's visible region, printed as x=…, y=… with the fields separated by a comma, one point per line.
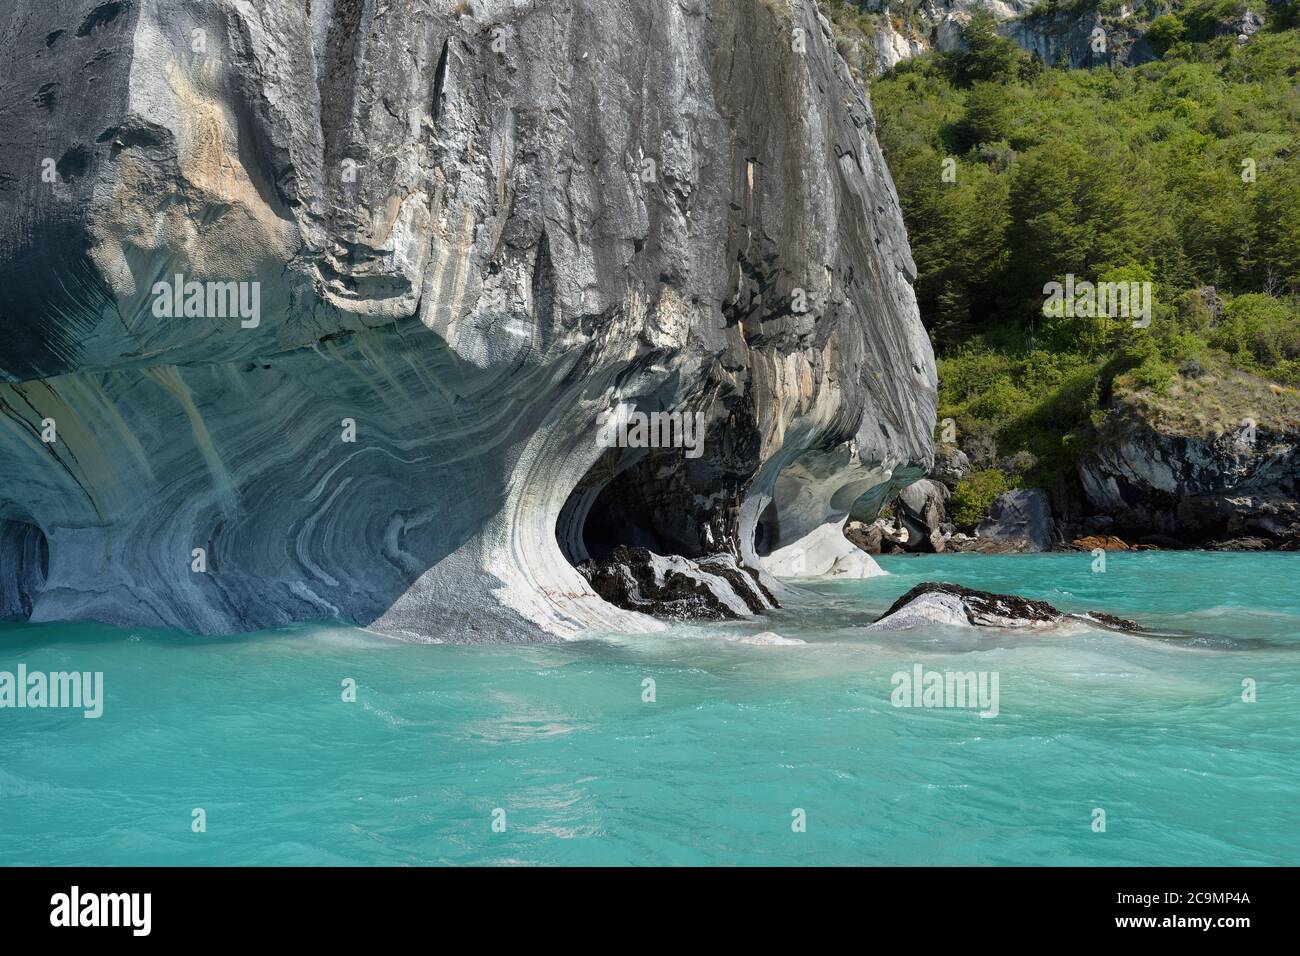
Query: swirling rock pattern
x=472, y=229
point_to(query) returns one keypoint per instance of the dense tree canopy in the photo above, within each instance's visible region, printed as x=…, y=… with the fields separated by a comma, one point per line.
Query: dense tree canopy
x=1184, y=173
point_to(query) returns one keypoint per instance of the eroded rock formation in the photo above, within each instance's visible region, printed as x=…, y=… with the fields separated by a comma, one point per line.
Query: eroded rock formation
x=443, y=241
x=952, y=605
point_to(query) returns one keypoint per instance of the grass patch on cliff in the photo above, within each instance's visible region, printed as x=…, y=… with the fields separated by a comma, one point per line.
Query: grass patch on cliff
x=974, y=494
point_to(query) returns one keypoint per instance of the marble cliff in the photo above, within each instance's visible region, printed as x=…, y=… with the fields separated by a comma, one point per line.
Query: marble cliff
x=315, y=309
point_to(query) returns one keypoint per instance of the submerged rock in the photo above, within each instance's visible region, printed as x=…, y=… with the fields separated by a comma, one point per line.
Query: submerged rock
x=769, y=639
x=953, y=605
x=440, y=255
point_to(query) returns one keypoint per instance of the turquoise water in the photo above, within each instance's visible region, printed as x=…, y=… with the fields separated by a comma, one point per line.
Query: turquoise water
x=253, y=730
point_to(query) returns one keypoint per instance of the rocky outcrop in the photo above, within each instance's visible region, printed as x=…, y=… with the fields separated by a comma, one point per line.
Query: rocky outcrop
x=890, y=46
x=1081, y=40
x=1018, y=520
x=1071, y=38
x=956, y=606
x=348, y=310
x=826, y=553
x=677, y=589
x=950, y=465
x=922, y=510
x=1201, y=482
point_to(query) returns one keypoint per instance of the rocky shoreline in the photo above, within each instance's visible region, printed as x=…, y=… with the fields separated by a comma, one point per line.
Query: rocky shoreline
x=1162, y=472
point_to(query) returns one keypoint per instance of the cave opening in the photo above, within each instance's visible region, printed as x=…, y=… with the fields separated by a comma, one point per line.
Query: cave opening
x=24, y=567
x=662, y=498
x=767, y=530
x=636, y=498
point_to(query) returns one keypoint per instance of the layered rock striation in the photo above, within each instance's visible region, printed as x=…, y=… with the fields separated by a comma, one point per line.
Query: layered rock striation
x=322, y=310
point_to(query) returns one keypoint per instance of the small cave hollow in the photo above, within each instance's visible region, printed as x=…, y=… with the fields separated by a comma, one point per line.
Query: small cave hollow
x=24, y=567
x=767, y=531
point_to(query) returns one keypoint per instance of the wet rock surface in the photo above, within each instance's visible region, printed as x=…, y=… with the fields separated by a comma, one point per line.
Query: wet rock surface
x=677, y=589
x=940, y=603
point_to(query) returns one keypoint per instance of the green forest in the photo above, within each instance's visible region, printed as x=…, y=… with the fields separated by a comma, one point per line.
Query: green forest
x=1183, y=173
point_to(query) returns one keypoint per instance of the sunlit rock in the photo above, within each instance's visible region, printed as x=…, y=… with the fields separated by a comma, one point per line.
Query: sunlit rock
x=432, y=250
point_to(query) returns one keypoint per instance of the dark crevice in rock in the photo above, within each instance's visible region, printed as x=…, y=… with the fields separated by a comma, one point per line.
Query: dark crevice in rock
x=768, y=530
x=665, y=500
x=101, y=16
x=73, y=163
x=543, y=289
x=24, y=567
x=439, y=79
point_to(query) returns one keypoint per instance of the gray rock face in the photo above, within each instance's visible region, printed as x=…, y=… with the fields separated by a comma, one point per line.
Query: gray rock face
x=1080, y=41
x=923, y=509
x=435, y=248
x=950, y=465
x=1204, y=490
x=1019, y=520
x=1066, y=37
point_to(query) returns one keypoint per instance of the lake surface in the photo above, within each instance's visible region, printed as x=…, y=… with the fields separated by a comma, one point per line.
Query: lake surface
x=253, y=730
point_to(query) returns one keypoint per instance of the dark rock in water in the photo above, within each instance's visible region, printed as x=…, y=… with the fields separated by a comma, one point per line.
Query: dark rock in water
x=1249, y=543
x=745, y=582
x=1019, y=520
x=1109, y=621
x=935, y=602
x=984, y=608
x=676, y=588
